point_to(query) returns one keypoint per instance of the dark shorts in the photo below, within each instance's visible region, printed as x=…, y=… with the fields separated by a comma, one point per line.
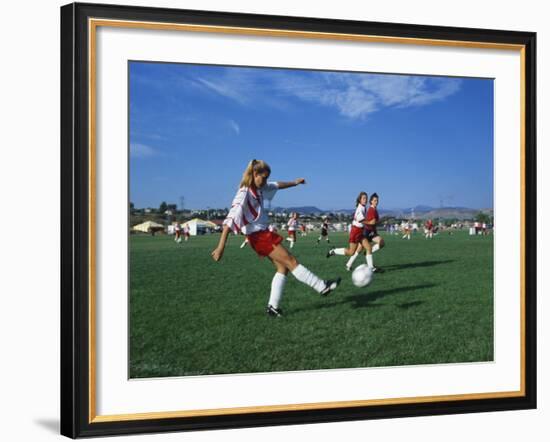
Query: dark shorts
x=264, y=242
x=371, y=234
x=324, y=232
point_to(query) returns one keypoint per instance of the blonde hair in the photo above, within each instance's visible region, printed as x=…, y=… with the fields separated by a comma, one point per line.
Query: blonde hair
x=257, y=166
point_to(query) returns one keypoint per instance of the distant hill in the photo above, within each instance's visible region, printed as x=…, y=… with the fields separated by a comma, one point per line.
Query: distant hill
x=420, y=211
x=308, y=210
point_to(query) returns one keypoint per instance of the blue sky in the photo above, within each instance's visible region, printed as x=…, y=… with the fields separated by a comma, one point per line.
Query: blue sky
x=412, y=139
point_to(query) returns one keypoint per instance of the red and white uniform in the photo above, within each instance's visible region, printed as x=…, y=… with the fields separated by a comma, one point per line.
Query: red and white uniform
x=356, y=234
x=372, y=214
x=429, y=225
x=292, y=224
x=247, y=215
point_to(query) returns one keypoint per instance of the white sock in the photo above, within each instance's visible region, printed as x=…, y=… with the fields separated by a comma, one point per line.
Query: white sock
x=243, y=244
x=305, y=276
x=369, y=261
x=291, y=244
x=277, y=286
x=351, y=259
x=340, y=251
x=375, y=248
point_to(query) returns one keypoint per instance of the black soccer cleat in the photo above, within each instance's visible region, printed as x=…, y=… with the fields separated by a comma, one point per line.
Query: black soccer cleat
x=378, y=270
x=330, y=253
x=330, y=285
x=274, y=312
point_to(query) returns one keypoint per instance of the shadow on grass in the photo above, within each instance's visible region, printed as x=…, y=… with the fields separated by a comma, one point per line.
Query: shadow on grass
x=413, y=265
x=408, y=305
x=367, y=299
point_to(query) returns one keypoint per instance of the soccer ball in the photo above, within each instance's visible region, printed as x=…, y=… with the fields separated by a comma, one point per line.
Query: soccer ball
x=362, y=276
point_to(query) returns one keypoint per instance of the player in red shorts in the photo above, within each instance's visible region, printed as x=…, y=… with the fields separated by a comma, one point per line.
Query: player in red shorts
x=429, y=229
x=247, y=215
x=357, y=233
x=292, y=225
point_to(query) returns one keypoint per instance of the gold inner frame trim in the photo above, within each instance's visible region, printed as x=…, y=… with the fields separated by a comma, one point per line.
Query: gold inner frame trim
x=92, y=33
x=298, y=34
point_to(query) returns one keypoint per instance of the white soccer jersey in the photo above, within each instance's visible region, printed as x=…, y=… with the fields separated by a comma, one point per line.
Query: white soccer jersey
x=292, y=224
x=360, y=215
x=247, y=213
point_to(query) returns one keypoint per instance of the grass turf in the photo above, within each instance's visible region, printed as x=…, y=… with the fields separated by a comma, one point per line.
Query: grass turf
x=192, y=316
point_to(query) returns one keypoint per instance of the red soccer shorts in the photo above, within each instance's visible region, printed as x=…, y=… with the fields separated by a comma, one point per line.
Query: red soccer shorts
x=264, y=242
x=356, y=235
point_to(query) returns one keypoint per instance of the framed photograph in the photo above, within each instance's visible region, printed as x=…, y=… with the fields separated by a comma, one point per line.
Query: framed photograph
x=273, y=220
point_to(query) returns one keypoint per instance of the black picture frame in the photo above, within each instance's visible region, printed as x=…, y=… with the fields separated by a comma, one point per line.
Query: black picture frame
x=76, y=402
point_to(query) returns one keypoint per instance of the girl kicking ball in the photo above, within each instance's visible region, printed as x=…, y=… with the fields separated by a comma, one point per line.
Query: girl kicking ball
x=247, y=215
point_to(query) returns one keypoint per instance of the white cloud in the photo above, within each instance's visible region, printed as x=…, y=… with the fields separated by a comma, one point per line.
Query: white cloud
x=141, y=151
x=225, y=89
x=235, y=126
x=353, y=95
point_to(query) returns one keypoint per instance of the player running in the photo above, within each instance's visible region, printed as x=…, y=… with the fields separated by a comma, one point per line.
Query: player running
x=324, y=231
x=357, y=233
x=406, y=226
x=247, y=215
x=186, y=232
x=292, y=225
x=376, y=241
x=429, y=229
x=177, y=230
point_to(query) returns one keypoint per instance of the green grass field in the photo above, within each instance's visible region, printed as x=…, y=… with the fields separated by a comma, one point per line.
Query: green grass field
x=192, y=316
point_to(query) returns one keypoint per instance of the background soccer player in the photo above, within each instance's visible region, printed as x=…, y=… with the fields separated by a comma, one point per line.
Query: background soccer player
x=357, y=233
x=324, y=231
x=376, y=241
x=292, y=226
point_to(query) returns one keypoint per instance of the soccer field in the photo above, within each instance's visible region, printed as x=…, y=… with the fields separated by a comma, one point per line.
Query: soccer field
x=192, y=316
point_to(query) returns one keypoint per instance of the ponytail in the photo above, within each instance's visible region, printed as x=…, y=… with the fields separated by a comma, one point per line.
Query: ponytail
x=257, y=166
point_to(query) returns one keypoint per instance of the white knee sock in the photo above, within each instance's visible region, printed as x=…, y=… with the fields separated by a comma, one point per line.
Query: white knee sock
x=369, y=261
x=351, y=259
x=277, y=286
x=340, y=251
x=305, y=276
x=375, y=248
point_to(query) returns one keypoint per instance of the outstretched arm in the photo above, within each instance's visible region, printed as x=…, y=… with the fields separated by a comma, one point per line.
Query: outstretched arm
x=218, y=251
x=287, y=184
